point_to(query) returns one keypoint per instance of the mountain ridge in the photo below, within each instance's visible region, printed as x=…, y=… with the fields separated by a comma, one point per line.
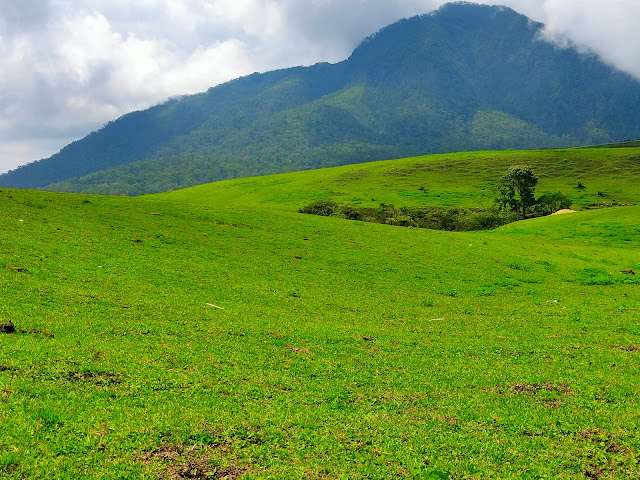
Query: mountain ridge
x=464, y=77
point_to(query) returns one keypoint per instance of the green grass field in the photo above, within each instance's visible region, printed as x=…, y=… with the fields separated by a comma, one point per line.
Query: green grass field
x=343, y=350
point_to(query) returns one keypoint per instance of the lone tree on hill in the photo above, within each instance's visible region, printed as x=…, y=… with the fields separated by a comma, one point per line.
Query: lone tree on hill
x=520, y=180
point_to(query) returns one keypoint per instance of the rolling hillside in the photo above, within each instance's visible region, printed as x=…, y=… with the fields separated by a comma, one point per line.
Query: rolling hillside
x=465, y=77
x=466, y=179
x=216, y=333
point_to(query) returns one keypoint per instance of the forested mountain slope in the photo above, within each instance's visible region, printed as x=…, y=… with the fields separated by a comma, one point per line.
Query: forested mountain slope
x=465, y=77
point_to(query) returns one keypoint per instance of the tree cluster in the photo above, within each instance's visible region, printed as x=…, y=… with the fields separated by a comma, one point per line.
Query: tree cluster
x=516, y=193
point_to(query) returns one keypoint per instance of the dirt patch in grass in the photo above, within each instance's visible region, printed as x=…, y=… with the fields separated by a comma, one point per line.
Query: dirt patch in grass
x=553, y=403
x=192, y=462
x=595, y=435
x=10, y=328
x=97, y=378
x=629, y=348
x=299, y=350
x=35, y=331
x=535, y=388
x=594, y=472
x=563, y=211
x=7, y=328
x=604, y=455
x=16, y=269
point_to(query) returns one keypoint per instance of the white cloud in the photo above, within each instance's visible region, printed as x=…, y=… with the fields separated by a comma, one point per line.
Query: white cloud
x=609, y=29
x=68, y=66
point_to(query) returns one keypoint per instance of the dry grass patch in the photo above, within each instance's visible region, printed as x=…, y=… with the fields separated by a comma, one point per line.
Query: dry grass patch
x=192, y=462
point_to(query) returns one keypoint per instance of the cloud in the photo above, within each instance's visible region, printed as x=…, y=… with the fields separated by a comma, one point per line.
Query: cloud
x=25, y=15
x=609, y=29
x=69, y=66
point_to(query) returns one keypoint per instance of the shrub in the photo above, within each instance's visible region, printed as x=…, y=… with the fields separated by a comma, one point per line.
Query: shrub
x=487, y=220
x=350, y=213
x=401, y=221
x=550, y=203
x=448, y=219
x=324, y=208
x=435, y=218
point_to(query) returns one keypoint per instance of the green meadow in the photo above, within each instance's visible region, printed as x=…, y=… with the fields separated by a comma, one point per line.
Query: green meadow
x=460, y=179
x=214, y=332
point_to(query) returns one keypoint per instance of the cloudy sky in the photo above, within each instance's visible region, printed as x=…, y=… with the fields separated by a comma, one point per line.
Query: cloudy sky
x=69, y=66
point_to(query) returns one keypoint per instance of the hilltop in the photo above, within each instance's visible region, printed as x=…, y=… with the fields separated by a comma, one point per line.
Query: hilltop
x=464, y=77
x=463, y=179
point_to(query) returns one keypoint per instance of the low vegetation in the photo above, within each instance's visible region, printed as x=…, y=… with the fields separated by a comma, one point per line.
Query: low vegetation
x=435, y=218
x=516, y=193
x=215, y=332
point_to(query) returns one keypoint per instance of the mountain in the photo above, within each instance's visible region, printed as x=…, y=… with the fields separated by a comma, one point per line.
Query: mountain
x=465, y=77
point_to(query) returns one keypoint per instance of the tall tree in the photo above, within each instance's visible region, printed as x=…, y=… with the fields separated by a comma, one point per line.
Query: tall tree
x=522, y=180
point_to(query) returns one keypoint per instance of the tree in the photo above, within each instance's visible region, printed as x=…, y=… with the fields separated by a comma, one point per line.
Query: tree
x=507, y=197
x=521, y=180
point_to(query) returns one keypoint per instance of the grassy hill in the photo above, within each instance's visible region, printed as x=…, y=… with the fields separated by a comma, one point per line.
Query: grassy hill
x=343, y=349
x=454, y=179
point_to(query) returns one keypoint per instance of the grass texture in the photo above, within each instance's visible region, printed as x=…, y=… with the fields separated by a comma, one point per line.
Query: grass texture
x=216, y=333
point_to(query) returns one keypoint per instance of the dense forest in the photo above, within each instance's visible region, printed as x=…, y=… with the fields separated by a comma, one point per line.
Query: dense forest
x=465, y=77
